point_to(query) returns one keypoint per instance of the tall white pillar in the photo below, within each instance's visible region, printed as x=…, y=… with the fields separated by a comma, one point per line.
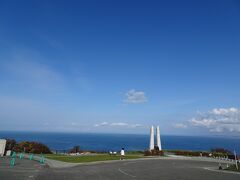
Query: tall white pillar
x=158, y=139
x=151, y=144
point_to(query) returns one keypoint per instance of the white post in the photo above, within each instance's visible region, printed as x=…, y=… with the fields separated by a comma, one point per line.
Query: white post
x=151, y=144
x=235, y=154
x=159, y=139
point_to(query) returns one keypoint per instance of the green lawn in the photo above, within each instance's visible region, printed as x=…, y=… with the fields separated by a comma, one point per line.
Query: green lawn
x=89, y=158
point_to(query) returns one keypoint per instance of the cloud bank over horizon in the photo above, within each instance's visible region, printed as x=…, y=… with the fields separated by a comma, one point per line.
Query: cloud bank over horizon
x=218, y=120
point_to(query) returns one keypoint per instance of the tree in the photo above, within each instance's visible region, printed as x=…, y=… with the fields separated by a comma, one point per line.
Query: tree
x=28, y=147
x=11, y=144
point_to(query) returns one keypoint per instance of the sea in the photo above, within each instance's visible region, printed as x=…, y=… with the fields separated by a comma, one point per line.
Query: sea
x=114, y=142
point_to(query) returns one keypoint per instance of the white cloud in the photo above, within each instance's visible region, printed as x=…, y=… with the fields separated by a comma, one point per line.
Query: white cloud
x=180, y=126
x=219, y=120
x=136, y=125
x=135, y=97
x=203, y=122
x=118, y=124
x=101, y=124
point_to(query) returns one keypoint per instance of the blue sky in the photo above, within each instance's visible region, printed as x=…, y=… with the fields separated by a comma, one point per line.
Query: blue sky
x=120, y=66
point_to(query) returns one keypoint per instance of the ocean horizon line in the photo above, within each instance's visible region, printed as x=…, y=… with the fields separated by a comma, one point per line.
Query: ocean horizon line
x=118, y=133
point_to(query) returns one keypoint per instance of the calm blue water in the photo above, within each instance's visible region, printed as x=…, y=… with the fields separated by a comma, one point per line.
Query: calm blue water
x=106, y=142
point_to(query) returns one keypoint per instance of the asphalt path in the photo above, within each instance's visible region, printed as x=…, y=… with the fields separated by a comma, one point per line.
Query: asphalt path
x=23, y=169
x=150, y=169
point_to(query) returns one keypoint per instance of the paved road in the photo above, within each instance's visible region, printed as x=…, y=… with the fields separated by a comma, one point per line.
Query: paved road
x=24, y=169
x=164, y=169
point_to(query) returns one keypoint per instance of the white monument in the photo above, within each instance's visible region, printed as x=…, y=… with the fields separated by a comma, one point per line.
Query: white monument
x=2, y=146
x=151, y=145
x=159, y=145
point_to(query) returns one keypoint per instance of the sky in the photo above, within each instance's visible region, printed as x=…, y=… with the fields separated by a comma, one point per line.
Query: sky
x=120, y=66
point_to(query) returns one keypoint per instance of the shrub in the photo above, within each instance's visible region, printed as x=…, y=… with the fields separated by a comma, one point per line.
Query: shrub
x=153, y=153
x=75, y=149
x=189, y=153
x=221, y=151
x=147, y=153
x=10, y=144
x=28, y=147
